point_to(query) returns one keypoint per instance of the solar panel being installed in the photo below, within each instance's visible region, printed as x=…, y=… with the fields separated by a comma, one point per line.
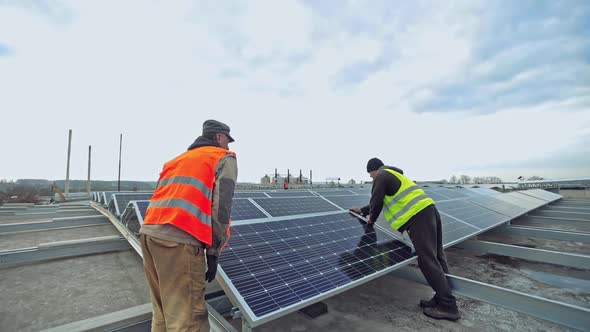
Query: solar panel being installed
x=279, y=266
x=243, y=208
x=288, y=206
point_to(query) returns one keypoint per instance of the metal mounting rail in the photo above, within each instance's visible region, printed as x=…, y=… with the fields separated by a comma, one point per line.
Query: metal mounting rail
x=544, y=233
x=554, y=311
x=55, y=223
x=538, y=255
x=125, y=232
x=63, y=249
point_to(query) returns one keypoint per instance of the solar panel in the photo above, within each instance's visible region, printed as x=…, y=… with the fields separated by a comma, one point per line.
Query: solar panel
x=287, y=206
x=141, y=207
x=516, y=198
x=435, y=195
x=243, y=208
x=361, y=191
x=121, y=200
x=468, y=193
x=454, y=230
x=291, y=193
x=500, y=206
x=249, y=194
x=483, y=191
x=542, y=194
x=347, y=202
x=451, y=193
x=472, y=214
x=277, y=267
x=330, y=193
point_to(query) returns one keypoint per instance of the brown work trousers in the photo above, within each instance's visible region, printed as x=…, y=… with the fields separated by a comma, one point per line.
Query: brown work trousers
x=175, y=273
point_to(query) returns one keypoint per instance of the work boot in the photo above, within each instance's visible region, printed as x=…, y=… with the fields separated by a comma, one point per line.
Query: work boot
x=428, y=303
x=440, y=312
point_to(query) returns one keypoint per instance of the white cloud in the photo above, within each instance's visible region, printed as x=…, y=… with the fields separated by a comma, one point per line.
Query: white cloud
x=155, y=71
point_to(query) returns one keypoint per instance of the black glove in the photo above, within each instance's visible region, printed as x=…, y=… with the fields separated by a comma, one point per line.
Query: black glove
x=211, y=268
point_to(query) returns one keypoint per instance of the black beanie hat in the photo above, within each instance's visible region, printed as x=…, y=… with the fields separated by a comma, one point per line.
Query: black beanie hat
x=373, y=164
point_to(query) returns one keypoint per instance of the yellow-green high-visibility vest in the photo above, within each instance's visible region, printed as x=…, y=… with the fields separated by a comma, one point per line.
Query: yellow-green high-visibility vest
x=405, y=203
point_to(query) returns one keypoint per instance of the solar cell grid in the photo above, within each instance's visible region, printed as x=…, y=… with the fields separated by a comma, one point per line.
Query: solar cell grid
x=527, y=202
x=330, y=193
x=542, y=194
x=142, y=207
x=472, y=214
x=483, y=191
x=451, y=193
x=347, y=202
x=276, y=264
x=435, y=195
x=290, y=193
x=277, y=207
x=454, y=230
x=241, y=194
x=243, y=208
x=121, y=200
x=500, y=206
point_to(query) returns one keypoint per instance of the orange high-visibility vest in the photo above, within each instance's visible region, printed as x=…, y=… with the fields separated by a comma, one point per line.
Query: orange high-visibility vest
x=184, y=193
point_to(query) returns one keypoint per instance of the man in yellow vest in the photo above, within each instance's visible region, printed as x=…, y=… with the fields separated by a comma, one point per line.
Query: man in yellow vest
x=185, y=228
x=407, y=208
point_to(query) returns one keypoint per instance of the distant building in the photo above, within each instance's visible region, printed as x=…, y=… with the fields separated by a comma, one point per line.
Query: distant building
x=269, y=179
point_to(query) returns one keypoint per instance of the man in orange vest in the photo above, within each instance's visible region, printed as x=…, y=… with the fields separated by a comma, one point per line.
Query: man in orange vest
x=185, y=228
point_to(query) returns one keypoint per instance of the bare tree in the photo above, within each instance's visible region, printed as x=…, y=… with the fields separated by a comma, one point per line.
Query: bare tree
x=464, y=179
x=453, y=179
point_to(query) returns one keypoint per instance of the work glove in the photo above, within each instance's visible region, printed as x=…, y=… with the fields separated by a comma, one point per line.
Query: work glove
x=211, y=268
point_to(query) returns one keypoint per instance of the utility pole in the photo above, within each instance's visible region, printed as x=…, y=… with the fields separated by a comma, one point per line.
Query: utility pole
x=120, y=149
x=310, y=182
x=89, y=165
x=67, y=188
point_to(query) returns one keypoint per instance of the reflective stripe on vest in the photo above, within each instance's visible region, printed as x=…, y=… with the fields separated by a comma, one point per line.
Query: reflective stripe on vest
x=406, y=203
x=185, y=205
x=198, y=184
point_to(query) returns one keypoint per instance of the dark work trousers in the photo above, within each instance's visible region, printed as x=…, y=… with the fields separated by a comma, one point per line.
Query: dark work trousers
x=425, y=230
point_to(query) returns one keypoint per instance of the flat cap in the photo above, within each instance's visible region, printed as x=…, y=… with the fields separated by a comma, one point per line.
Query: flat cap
x=214, y=127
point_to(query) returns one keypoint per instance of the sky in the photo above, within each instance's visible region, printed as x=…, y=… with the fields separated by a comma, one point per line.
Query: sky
x=483, y=88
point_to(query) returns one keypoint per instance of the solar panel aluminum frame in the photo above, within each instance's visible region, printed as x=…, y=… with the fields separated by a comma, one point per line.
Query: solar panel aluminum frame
x=469, y=199
x=255, y=321
x=516, y=198
x=114, y=201
x=537, y=193
x=136, y=208
x=480, y=230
